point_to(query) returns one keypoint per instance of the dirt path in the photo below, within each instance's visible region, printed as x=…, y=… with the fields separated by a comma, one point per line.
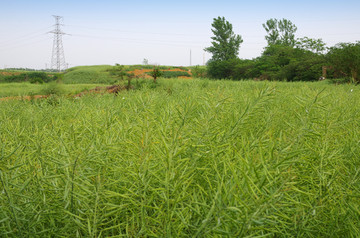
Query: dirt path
x=24, y=97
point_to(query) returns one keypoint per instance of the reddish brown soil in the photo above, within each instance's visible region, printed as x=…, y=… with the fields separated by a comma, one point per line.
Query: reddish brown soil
x=141, y=73
x=9, y=73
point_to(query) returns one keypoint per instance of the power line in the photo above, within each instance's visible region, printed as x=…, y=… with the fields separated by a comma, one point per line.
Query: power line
x=138, y=32
x=146, y=41
x=25, y=37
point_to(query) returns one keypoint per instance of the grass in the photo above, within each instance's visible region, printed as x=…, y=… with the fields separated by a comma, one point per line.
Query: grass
x=23, y=89
x=184, y=158
x=101, y=73
x=89, y=75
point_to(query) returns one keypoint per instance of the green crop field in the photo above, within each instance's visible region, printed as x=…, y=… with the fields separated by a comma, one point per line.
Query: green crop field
x=184, y=158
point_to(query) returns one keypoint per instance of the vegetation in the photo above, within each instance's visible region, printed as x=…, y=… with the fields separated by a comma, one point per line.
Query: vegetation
x=225, y=44
x=345, y=60
x=287, y=58
x=156, y=73
x=90, y=75
x=171, y=74
x=32, y=77
x=280, y=32
x=185, y=158
x=198, y=71
x=26, y=89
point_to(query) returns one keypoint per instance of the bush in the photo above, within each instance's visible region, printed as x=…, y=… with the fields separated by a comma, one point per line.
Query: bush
x=199, y=71
x=53, y=88
x=222, y=69
x=36, y=81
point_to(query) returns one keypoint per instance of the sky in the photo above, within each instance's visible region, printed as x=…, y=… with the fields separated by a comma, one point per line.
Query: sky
x=163, y=32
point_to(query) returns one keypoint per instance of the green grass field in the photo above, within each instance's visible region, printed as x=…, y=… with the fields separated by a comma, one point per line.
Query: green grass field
x=184, y=158
x=26, y=89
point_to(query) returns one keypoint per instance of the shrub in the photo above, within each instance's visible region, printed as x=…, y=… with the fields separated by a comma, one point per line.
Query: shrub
x=53, y=88
x=199, y=71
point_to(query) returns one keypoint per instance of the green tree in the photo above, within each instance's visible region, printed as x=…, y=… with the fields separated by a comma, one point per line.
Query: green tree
x=225, y=44
x=155, y=73
x=314, y=45
x=118, y=71
x=280, y=32
x=345, y=59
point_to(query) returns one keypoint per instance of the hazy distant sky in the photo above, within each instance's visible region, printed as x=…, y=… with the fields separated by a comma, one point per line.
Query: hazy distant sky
x=164, y=32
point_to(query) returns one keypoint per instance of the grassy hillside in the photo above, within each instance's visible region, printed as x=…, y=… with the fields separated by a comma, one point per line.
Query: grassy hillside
x=89, y=74
x=184, y=158
x=101, y=73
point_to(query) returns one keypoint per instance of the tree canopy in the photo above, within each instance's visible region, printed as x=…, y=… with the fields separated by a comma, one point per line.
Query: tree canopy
x=225, y=43
x=280, y=32
x=284, y=58
x=344, y=58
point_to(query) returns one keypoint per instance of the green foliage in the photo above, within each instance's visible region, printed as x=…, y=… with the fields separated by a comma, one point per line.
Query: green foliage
x=89, y=74
x=23, y=89
x=161, y=67
x=345, y=60
x=171, y=74
x=280, y=32
x=53, y=88
x=309, y=44
x=221, y=69
x=225, y=44
x=199, y=71
x=32, y=77
x=118, y=71
x=186, y=158
x=156, y=73
x=278, y=62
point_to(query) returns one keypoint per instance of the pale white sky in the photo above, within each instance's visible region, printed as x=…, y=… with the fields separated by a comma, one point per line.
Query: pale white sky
x=164, y=32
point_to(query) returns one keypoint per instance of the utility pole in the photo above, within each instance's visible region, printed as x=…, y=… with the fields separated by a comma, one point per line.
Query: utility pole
x=58, y=57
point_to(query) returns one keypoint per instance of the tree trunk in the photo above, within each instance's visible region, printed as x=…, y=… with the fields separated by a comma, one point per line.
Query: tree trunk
x=354, y=75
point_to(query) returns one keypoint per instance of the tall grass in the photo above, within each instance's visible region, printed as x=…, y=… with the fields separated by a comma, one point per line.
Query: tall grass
x=89, y=75
x=23, y=89
x=187, y=158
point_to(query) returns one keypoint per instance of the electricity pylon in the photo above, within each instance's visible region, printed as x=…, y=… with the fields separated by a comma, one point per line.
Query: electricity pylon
x=58, y=57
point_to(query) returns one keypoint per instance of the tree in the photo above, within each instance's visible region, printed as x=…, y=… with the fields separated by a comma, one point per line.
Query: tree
x=225, y=44
x=280, y=32
x=155, y=73
x=118, y=71
x=345, y=59
x=314, y=45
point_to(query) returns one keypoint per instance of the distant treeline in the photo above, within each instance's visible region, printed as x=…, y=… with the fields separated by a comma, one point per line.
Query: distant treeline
x=285, y=58
x=287, y=63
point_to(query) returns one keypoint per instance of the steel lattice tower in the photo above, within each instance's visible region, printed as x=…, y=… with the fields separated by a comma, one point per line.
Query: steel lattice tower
x=58, y=57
